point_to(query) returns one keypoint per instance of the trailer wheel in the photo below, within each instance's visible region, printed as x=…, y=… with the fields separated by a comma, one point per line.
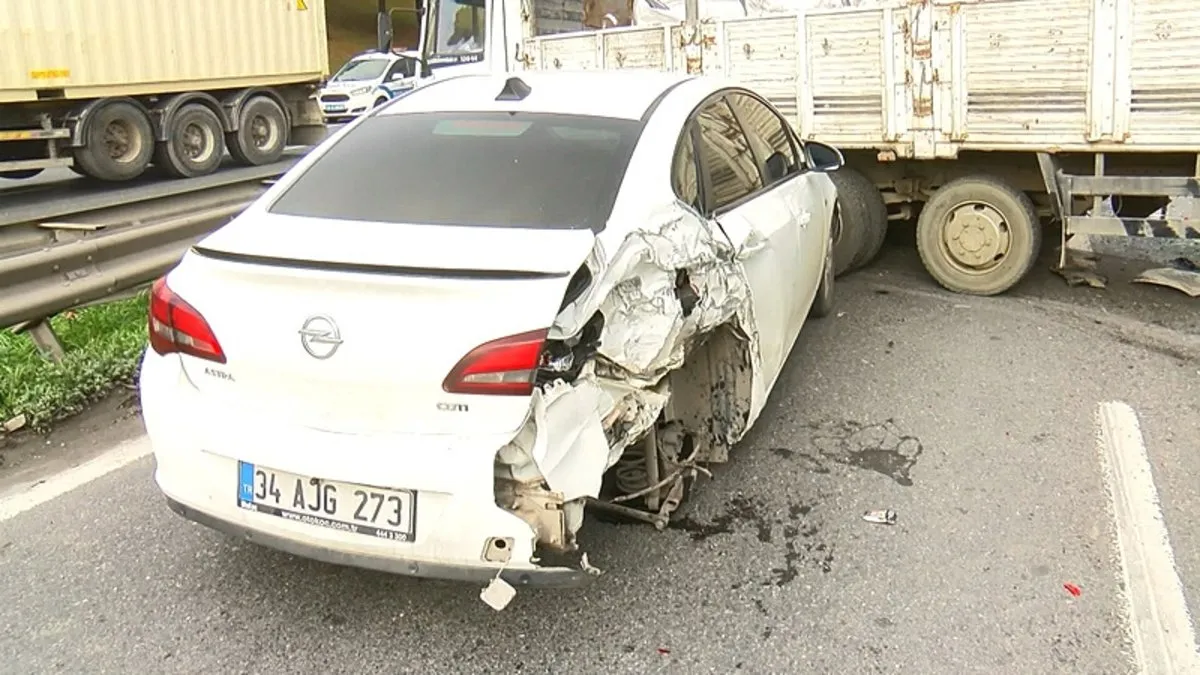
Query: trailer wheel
x=978, y=235
x=118, y=143
x=195, y=143
x=864, y=220
x=262, y=132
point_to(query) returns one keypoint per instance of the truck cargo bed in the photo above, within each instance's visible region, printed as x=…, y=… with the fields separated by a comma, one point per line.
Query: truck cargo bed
x=929, y=79
x=78, y=49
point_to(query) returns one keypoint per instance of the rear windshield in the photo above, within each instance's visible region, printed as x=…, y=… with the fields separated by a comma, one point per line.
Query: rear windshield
x=490, y=169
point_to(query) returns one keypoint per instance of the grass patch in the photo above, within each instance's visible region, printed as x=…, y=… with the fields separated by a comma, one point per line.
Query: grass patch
x=104, y=345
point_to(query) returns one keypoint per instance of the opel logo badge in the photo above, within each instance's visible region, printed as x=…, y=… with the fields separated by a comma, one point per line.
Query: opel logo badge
x=320, y=337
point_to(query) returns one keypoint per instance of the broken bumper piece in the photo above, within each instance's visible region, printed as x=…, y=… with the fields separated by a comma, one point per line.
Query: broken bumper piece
x=553, y=577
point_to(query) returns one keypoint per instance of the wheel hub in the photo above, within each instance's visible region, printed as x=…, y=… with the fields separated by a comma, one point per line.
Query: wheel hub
x=976, y=235
x=260, y=132
x=193, y=141
x=117, y=140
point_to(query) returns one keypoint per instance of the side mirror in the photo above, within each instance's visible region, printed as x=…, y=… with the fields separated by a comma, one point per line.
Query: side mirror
x=383, y=30
x=822, y=157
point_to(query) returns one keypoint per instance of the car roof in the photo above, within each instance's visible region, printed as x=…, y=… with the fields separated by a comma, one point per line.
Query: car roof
x=619, y=94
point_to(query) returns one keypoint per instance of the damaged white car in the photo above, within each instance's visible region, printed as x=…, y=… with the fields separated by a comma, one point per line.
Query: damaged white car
x=481, y=309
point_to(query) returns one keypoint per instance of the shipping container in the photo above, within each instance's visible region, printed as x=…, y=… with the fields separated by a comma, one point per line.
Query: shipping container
x=134, y=64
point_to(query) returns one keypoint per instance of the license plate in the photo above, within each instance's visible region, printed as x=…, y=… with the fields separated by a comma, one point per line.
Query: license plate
x=335, y=108
x=360, y=509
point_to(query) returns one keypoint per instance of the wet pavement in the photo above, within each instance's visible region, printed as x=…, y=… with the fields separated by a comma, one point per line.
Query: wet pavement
x=973, y=419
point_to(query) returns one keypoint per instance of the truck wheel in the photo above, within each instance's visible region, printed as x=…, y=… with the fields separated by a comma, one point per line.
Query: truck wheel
x=864, y=220
x=195, y=143
x=262, y=133
x=118, y=143
x=978, y=235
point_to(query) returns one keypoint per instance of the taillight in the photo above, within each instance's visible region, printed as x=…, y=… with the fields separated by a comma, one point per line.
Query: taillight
x=176, y=326
x=504, y=367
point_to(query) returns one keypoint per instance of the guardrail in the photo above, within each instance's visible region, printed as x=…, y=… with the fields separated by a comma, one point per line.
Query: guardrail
x=59, y=255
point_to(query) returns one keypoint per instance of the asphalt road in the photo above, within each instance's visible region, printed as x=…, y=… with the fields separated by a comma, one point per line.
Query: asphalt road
x=974, y=419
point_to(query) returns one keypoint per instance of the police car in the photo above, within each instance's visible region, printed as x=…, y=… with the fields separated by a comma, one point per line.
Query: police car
x=367, y=80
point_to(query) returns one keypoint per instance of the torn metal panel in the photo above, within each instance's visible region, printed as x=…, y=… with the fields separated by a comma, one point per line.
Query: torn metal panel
x=647, y=327
x=1182, y=280
x=653, y=297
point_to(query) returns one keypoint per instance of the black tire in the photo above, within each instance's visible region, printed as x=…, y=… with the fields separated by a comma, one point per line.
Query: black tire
x=995, y=231
x=118, y=143
x=864, y=220
x=195, y=143
x=20, y=175
x=822, y=305
x=846, y=244
x=262, y=132
x=380, y=101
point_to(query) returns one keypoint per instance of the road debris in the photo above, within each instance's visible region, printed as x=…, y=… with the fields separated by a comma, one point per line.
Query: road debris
x=880, y=517
x=1183, y=275
x=15, y=423
x=1080, y=269
x=1073, y=589
x=498, y=593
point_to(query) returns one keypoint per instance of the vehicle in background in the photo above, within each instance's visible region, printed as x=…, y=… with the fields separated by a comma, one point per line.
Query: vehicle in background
x=369, y=79
x=961, y=115
x=98, y=92
x=437, y=387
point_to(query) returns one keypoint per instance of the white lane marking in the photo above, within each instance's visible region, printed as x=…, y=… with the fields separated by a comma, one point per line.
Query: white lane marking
x=35, y=494
x=1160, y=623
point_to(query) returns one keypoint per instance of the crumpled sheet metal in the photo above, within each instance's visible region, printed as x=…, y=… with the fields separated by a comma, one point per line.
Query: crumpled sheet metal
x=646, y=332
x=1184, y=281
x=646, y=335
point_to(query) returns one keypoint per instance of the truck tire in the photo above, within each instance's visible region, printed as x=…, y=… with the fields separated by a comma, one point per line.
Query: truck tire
x=864, y=220
x=118, y=143
x=195, y=143
x=262, y=132
x=978, y=235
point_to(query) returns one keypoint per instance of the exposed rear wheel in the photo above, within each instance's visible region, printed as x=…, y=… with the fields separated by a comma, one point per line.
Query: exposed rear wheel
x=262, y=132
x=822, y=305
x=978, y=235
x=118, y=143
x=195, y=143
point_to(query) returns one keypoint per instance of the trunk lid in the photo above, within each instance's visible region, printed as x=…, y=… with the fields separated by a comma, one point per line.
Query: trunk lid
x=407, y=302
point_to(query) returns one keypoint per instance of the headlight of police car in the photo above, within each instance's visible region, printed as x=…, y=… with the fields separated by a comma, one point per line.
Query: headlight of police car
x=360, y=91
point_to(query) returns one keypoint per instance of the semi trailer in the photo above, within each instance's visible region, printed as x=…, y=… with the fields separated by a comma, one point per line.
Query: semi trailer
x=110, y=89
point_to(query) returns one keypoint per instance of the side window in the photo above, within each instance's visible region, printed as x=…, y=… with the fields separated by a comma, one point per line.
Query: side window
x=395, y=72
x=768, y=136
x=725, y=156
x=683, y=171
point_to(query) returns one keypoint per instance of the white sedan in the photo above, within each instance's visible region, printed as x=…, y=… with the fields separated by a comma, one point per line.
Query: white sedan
x=482, y=307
